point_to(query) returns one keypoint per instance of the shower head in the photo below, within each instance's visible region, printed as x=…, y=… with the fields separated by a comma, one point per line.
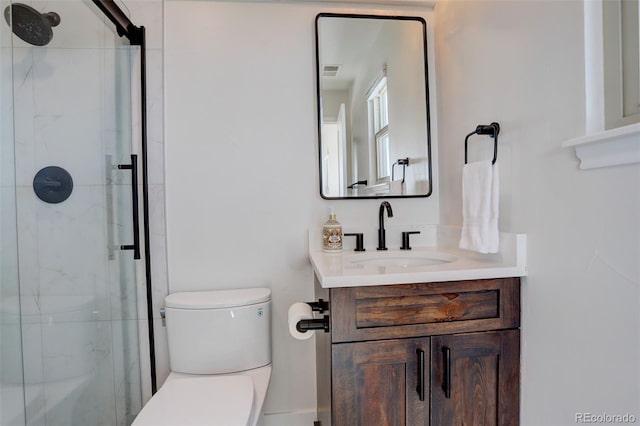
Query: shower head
x=30, y=25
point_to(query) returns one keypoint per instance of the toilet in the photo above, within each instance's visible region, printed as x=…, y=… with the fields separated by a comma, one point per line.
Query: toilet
x=220, y=358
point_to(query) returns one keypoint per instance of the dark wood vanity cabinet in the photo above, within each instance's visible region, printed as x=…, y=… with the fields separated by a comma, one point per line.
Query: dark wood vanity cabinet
x=421, y=354
x=375, y=383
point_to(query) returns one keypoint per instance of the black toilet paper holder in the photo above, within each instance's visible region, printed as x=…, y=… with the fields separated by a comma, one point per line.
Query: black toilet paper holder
x=319, y=306
x=315, y=324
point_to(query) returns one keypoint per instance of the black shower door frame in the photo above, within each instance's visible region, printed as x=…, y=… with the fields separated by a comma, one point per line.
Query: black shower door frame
x=136, y=36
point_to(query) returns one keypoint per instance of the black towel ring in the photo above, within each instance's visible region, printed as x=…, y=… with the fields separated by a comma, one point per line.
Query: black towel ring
x=492, y=130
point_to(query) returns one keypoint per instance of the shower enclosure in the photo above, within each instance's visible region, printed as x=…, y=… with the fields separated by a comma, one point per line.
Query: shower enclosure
x=76, y=343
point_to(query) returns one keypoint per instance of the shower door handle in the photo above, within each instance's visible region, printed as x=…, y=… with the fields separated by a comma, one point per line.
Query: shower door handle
x=134, y=208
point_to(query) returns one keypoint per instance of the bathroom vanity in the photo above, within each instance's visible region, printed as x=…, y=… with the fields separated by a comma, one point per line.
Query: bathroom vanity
x=419, y=354
x=417, y=349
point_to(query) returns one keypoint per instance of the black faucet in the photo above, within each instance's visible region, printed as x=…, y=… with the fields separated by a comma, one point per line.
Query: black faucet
x=382, y=244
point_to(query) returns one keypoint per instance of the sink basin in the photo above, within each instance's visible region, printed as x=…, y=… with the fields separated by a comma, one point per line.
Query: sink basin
x=435, y=258
x=401, y=259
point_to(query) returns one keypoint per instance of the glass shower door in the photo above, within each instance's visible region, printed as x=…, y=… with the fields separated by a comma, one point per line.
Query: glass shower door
x=125, y=269
x=73, y=103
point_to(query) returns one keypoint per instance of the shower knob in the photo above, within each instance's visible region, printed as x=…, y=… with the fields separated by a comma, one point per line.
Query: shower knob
x=53, y=184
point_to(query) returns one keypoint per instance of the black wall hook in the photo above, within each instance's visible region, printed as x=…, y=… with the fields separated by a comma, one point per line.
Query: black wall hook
x=492, y=130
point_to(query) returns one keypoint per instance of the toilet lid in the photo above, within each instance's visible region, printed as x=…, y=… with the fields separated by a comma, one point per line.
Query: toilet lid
x=200, y=400
x=216, y=299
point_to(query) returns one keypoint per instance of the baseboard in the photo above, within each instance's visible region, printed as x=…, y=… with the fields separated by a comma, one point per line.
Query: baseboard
x=294, y=418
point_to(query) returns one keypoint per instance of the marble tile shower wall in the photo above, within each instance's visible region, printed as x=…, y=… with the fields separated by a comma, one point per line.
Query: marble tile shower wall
x=82, y=326
x=10, y=335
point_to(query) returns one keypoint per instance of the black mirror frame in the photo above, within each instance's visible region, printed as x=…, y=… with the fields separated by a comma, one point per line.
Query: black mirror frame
x=319, y=109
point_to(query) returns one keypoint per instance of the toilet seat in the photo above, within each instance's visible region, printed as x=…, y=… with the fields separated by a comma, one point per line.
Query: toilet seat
x=200, y=400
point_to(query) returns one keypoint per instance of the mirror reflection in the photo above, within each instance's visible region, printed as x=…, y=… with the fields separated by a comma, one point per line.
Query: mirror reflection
x=373, y=109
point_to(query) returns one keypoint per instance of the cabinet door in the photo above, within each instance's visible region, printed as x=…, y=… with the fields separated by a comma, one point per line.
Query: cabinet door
x=475, y=379
x=379, y=383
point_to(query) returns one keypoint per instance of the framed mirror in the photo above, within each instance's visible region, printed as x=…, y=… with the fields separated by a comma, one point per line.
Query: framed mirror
x=373, y=106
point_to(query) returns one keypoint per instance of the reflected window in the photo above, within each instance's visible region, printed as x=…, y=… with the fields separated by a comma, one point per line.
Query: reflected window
x=379, y=123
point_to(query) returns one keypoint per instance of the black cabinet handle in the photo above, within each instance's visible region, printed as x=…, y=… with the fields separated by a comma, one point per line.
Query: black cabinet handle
x=134, y=200
x=446, y=379
x=421, y=385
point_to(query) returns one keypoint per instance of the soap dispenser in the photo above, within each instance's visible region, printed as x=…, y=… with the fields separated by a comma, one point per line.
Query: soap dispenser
x=332, y=234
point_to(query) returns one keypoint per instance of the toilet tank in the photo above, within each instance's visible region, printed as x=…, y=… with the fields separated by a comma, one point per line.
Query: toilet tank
x=217, y=332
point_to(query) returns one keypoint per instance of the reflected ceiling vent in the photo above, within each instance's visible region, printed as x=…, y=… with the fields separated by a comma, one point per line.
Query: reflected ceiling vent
x=330, y=70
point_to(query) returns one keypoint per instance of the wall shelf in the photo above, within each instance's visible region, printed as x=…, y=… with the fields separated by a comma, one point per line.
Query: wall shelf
x=608, y=148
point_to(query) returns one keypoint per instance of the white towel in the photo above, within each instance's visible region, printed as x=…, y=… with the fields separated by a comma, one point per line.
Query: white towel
x=480, y=203
x=395, y=187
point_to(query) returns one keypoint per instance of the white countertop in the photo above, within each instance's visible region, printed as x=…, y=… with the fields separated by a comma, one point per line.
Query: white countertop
x=340, y=270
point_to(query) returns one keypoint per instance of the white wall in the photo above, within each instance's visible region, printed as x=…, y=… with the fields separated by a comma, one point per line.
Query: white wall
x=241, y=164
x=521, y=63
